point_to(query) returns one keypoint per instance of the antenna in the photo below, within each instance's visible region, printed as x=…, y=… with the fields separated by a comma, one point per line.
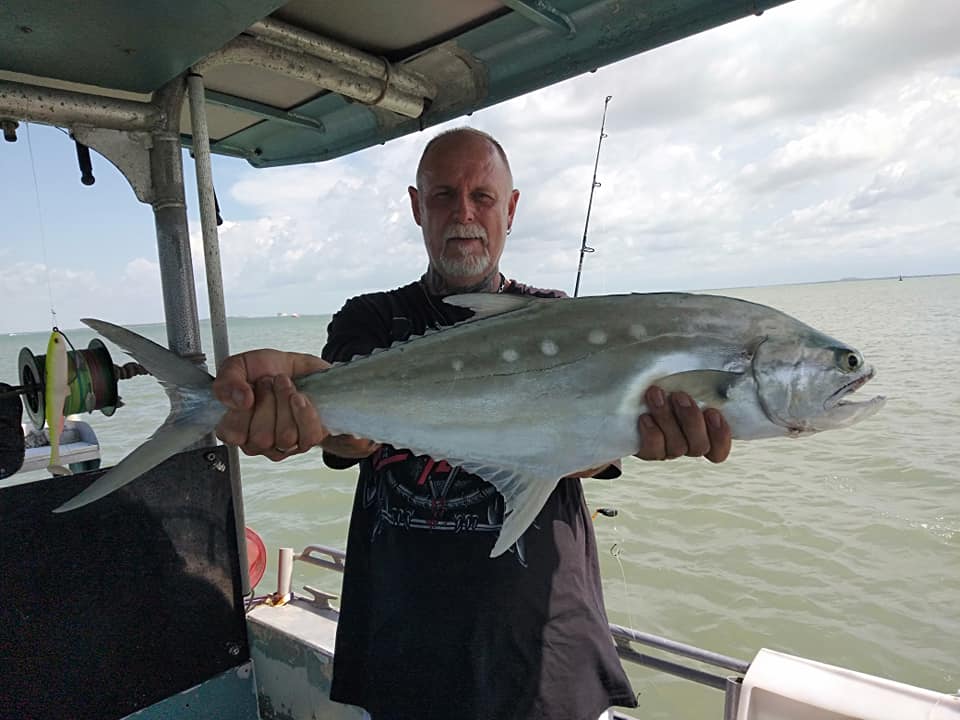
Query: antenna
x=584, y=248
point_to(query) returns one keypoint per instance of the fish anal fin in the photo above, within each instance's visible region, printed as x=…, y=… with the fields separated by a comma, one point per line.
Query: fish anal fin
x=706, y=387
x=525, y=492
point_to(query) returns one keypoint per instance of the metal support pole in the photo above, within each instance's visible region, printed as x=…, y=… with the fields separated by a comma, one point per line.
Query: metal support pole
x=245, y=50
x=678, y=648
x=53, y=106
x=173, y=237
x=208, y=218
x=214, y=273
x=668, y=666
x=731, y=698
x=584, y=248
x=295, y=38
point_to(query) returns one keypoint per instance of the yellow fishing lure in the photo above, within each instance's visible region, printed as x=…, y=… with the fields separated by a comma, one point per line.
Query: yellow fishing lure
x=56, y=394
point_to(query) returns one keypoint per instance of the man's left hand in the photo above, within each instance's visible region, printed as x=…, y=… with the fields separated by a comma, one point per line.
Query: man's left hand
x=675, y=426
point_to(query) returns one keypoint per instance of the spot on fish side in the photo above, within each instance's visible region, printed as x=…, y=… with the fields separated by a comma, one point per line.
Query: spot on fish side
x=549, y=348
x=597, y=337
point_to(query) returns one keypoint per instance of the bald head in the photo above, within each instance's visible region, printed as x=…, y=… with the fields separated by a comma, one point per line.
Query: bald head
x=458, y=139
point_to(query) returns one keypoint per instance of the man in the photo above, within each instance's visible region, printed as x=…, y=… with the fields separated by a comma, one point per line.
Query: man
x=431, y=627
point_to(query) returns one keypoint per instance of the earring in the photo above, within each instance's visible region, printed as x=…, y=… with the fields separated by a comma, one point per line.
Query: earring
x=509, y=230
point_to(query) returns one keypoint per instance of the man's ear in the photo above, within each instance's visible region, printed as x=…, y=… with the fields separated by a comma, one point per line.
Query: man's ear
x=414, y=203
x=512, y=206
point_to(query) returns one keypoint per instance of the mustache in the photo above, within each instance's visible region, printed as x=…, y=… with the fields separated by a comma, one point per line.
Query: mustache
x=460, y=230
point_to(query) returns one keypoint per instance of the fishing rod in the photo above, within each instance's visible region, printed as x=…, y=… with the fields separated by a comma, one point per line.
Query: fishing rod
x=584, y=248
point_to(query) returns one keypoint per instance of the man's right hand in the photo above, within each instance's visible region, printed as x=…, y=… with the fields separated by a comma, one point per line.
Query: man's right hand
x=265, y=413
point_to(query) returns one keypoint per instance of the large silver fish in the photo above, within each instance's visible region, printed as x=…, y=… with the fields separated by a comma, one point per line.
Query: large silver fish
x=529, y=390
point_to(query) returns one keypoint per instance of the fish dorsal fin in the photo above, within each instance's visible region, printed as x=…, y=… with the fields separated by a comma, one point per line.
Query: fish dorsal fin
x=525, y=492
x=396, y=343
x=490, y=304
x=482, y=305
x=708, y=387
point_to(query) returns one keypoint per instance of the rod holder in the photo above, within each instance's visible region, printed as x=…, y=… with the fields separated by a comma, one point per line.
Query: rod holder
x=285, y=574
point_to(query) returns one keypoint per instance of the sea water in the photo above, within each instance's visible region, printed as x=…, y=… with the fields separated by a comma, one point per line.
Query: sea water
x=843, y=547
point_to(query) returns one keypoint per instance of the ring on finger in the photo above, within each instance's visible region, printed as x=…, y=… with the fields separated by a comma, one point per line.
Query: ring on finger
x=284, y=451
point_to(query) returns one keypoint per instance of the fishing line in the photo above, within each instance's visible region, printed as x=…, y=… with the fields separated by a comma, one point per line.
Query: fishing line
x=43, y=236
x=616, y=550
x=84, y=382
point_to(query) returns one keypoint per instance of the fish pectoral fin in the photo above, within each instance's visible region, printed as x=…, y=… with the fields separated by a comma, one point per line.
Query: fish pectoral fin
x=706, y=387
x=489, y=304
x=525, y=492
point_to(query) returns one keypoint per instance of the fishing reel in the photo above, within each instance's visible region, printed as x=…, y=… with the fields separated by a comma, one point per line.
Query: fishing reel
x=92, y=380
x=91, y=377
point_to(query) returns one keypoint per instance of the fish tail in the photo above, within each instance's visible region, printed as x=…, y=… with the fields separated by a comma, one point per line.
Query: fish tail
x=54, y=465
x=194, y=412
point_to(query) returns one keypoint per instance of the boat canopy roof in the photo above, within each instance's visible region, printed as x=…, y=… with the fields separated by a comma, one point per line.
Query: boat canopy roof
x=311, y=80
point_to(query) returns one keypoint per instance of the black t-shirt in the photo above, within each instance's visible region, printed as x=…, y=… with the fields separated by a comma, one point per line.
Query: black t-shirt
x=430, y=625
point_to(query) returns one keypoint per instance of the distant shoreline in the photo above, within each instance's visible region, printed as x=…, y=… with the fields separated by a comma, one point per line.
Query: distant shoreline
x=305, y=316
x=828, y=282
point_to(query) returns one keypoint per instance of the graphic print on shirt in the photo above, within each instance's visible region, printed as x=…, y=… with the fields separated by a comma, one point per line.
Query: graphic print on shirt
x=420, y=494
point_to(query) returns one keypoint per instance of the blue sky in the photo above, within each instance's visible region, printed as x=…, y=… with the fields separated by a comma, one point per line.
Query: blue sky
x=818, y=141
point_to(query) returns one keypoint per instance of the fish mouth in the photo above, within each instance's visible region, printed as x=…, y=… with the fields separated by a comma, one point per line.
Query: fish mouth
x=837, y=398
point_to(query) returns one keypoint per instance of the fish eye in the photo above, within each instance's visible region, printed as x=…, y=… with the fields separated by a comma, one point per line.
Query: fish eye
x=849, y=360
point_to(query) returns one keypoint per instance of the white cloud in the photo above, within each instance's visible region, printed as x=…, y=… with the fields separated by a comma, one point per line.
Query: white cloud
x=819, y=137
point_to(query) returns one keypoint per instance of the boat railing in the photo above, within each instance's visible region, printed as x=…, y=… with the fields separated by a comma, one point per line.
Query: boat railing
x=772, y=684
x=334, y=559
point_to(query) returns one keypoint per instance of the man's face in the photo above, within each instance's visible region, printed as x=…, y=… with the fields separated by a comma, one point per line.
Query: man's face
x=465, y=205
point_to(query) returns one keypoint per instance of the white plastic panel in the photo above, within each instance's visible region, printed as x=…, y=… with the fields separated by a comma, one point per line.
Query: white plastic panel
x=784, y=687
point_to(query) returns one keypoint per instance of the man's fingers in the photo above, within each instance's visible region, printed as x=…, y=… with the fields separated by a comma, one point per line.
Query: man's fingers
x=231, y=387
x=287, y=435
x=257, y=390
x=304, y=364
x=311, y=430
x=661, y=410
x=676, y=426
x=234, y=426
x=652, y=443
x=263, y=425
x=692, y=424
x=721, y=437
